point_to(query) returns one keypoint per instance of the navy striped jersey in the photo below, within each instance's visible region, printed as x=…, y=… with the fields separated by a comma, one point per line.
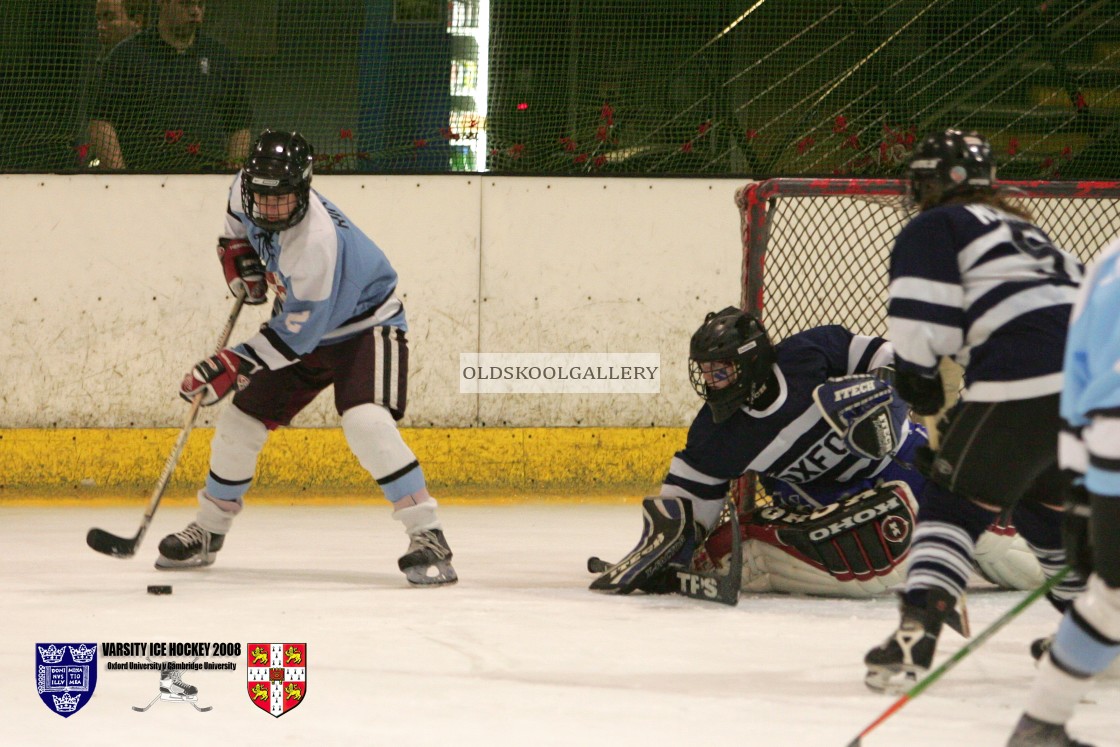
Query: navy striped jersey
x=789, y=440
x=1091, y=397
x=988, y=289
x=330, y=281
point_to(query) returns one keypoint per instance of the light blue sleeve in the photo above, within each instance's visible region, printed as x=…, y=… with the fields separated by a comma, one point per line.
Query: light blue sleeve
x=1091, y=396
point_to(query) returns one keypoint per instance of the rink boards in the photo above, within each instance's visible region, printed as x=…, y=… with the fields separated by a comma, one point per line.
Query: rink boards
x=472, y=462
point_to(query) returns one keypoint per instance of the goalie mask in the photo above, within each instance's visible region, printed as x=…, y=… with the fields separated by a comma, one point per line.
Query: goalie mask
x=279, y=165
x=950, y=163
x=729, y=361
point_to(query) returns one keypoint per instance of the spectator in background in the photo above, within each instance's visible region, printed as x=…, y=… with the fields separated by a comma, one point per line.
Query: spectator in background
x=171, y=99
x=117, y=20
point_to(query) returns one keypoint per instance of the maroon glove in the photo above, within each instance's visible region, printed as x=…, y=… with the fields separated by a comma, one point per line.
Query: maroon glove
x=243, y=270
x=216, y=376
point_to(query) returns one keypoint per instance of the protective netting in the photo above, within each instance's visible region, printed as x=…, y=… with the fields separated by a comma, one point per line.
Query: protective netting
x=762, y=87
x=816, y=251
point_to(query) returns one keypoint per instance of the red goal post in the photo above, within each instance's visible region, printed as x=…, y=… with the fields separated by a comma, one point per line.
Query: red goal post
x=815, y=251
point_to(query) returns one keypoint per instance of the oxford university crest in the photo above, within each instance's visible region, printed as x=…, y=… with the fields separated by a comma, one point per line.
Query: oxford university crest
x=65, y=675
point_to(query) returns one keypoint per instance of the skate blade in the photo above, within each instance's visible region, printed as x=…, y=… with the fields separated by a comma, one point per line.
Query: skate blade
x=889, y=680
x=437, y=574
x=167, y=564
x=172, y=698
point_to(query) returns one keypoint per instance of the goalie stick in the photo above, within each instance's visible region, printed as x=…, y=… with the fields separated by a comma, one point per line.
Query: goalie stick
x=722, y=587
x=125, y=547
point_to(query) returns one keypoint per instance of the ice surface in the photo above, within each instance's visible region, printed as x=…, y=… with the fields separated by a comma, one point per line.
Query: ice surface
x=518, y=653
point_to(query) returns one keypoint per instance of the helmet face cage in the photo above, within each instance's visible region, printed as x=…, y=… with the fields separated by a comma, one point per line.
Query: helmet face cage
x=730, y=358
x=280, y=163
x=950, y=163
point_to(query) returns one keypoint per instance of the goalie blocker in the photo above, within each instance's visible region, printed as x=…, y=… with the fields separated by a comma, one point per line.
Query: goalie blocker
x=666, y=560
x=863, y=410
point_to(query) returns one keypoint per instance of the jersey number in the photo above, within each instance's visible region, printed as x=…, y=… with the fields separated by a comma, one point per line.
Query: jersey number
x=1035, y=244
x=294, y=321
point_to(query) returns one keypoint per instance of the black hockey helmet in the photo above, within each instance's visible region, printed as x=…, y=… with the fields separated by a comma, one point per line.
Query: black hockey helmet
x=279, y=164
x=950, y=163
x=729, y=360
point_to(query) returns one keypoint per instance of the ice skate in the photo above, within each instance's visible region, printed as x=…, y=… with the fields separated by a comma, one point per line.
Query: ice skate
x=172, y=689
x=906, y=655
x=1030, y=732
x=428, y=560
x=194, y=547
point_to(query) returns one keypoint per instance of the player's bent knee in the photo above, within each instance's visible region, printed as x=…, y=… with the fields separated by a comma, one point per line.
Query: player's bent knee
x=238, y=439
x=372, y=435
x=1099, y=607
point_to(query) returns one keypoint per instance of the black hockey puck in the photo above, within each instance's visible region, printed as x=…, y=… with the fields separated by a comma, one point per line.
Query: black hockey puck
x=159, y=589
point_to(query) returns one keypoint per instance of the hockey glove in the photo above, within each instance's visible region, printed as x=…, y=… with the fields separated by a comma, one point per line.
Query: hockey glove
x=862, y=410
x=243, y=270
x=216, y=376
x=926, y=395
x=1075, y=527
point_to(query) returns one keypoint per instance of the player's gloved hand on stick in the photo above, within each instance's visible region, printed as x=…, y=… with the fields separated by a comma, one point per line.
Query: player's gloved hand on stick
x=926, y=395
x=1075, y=527
x=243, y=270
x=216, y=376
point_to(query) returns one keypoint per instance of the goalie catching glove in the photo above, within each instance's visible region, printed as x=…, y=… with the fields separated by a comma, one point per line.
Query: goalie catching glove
x=243, y=270
x=863, y=410
x=216, y=376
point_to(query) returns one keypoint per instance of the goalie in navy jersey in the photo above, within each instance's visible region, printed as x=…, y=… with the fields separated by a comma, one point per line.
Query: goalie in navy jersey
x=336, y=320
x=816, y=417
x=974, y=279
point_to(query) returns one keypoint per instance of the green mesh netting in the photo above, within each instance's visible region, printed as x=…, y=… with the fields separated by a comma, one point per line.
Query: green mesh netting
x=745, y=87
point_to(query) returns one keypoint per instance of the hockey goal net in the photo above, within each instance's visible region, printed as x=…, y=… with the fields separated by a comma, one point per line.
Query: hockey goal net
x=816, y=251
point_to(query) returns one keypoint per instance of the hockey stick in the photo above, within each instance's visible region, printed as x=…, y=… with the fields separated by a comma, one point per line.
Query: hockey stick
x=125, y=547
x=965, y=650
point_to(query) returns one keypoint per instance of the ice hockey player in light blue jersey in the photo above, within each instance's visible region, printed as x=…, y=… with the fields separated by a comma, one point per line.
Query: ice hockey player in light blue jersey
x=972, y=277
x=336, y=321
x=331, y=281
x=1088, y=637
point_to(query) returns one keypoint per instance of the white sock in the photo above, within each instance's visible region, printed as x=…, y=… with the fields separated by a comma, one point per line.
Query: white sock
x=419, y=518
x=216, y=516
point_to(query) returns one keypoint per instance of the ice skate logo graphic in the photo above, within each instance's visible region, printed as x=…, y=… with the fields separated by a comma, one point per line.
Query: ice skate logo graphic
x=277, y=676
x=65, y=675
x=172, y=689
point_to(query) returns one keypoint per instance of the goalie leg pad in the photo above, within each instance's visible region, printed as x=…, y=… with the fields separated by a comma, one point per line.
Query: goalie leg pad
x=1002, y=557
x=861, y=538
x=666, y=525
